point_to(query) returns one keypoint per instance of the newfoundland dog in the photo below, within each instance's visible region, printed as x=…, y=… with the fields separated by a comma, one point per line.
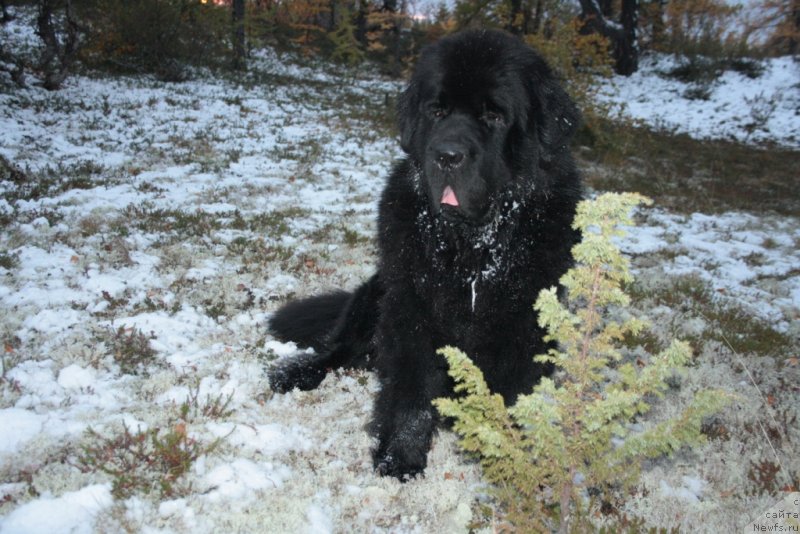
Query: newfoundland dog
x=472, y=224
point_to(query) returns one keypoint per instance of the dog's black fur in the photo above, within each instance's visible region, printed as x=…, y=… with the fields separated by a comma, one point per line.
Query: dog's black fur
x=483, y=116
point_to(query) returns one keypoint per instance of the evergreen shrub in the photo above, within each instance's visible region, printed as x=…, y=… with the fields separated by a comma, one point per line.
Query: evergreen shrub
x=578, y=440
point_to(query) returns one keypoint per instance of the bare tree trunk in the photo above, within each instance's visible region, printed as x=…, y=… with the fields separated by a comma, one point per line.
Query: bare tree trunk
x=627, y=50
x=7, y=17
x=57, y=58
x=239, y=50
x=361, y=23
x=391, y=7
x=658, y=24
x=621, y=34
x=538, y=13
x=607, y=8
x=399, y=16
x=527, y=19
x=331, y=26
x=793, y=46
x=511, y=24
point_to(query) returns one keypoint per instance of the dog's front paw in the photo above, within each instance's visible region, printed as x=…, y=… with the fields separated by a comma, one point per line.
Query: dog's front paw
x=403, y=444
x=402, y=454
x=389, y=464
x=302, y=372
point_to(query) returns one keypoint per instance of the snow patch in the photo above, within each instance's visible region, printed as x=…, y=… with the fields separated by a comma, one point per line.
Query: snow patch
x=239, y=480
x=19, y=427
x=76, y=377
x=71, y=513
x=691, y=490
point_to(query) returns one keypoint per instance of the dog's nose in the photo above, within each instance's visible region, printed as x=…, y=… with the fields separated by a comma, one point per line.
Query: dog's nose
x=449, y=159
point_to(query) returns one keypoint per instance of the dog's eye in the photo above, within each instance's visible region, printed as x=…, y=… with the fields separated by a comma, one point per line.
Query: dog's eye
x=493, y=117
x=437, y=113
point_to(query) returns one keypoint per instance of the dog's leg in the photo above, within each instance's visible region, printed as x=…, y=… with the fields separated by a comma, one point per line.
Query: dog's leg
x=412, y=376
x=349, y=344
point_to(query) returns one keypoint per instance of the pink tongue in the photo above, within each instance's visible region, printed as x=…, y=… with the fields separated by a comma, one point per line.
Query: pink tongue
x=449, y=197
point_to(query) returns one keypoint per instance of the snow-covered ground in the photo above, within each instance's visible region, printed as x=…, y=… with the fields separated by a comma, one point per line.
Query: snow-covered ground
x=732, y=107
x=171, y=219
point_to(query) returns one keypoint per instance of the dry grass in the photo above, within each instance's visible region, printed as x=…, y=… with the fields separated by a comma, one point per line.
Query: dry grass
x=689, y=175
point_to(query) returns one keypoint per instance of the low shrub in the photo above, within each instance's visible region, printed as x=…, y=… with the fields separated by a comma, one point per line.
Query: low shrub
x=162, y=37
x=145, y=461
x=578, y=441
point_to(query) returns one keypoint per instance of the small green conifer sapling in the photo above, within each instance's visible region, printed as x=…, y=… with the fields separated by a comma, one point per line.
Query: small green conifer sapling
x=347, y=49
x=574, y=434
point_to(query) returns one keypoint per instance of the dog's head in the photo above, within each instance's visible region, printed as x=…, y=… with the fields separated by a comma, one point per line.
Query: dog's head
x=482, y=110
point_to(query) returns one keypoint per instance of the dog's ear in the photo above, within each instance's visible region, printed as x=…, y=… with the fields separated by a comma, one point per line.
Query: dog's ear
x=407, y=108
x=558, y=119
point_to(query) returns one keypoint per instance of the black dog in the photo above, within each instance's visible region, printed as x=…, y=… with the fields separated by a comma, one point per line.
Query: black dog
x=472, y=224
